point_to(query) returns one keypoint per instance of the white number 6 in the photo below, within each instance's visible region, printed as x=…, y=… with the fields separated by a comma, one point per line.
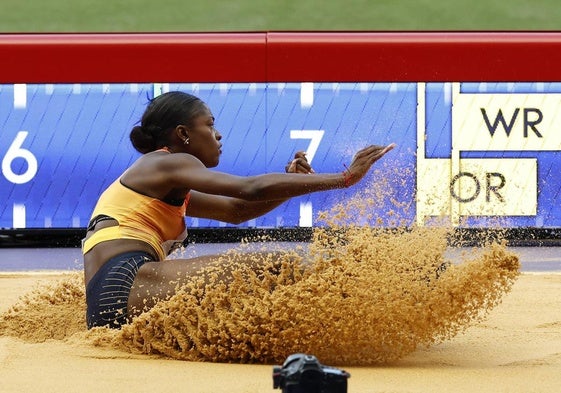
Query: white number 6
x=16, y=151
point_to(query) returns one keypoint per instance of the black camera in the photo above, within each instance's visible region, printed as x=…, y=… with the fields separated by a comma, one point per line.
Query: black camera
x=301, y=373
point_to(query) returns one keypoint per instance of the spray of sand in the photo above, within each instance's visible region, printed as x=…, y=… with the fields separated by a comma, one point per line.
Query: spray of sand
x=50, y=311
x=358, y=295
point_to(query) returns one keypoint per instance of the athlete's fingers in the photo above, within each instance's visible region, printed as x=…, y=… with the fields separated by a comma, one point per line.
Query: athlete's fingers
x=291, y=167
x=376, y=152
x=299, y=166
x=304, y=166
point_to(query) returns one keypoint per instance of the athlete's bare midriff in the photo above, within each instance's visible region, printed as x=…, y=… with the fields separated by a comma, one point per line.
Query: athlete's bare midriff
x=102, y=252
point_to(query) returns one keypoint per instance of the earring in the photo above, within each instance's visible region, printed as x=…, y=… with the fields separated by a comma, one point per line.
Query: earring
x=186, y=141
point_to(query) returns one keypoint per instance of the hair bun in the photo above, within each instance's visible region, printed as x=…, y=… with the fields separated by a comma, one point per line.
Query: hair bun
x=142, y=139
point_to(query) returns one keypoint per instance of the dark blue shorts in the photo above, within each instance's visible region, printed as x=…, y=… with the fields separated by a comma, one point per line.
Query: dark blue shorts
x=107, y=293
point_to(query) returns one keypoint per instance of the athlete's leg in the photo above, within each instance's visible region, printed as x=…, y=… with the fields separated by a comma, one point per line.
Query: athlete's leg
x=156, y=281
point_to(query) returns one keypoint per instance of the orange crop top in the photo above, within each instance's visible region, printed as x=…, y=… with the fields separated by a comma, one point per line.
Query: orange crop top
x=140, y=217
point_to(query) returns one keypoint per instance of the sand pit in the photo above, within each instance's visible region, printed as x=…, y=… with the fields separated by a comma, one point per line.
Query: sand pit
x=517, y=348
x=391, y=307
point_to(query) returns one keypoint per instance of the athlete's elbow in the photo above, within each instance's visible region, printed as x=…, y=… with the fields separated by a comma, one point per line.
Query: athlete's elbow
x=238, y=212
x=253, y=191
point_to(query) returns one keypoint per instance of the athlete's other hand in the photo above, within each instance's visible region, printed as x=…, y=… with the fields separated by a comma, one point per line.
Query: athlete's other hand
x=363, y=160
x=299, y=164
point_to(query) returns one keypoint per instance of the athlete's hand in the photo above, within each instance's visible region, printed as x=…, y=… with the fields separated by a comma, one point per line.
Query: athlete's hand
x=362, y=161
x=299, y=164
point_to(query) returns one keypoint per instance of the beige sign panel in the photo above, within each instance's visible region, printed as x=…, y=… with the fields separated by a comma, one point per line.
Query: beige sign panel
x=482, y=187
x=512, y=122
x=459, y=187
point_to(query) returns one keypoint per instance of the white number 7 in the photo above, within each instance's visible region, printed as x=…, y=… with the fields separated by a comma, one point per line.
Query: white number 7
x=314, y=136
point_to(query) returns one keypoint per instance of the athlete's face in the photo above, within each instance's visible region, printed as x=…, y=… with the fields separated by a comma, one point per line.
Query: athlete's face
x=204, y=139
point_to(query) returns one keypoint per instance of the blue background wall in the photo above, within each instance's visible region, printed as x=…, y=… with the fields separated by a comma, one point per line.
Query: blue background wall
x=79, y=137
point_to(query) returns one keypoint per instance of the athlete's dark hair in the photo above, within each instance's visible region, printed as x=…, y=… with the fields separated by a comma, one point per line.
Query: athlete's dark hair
x=162, y=115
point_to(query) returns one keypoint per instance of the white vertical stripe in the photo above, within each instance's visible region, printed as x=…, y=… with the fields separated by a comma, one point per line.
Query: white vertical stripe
x=20, y=96
x=133, y=87
x=421, y=142
x=455, y=207
x=106, y=88
x=49, y=89
x=252, y=89
x=540, y=86
x=447, y=93
x=223, y=87
x=76, y=88
x=48, y=222
x=75, y=222
x=19, y=215
x=306, y=214
x=160, y=88
x=306, y=95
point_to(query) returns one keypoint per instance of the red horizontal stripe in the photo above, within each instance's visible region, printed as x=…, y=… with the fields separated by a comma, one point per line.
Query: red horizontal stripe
x=281, y=57
x=75, y=58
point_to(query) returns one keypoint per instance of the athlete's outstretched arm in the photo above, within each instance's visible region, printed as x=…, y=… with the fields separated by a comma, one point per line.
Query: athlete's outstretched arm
x=187, y=172
x=236, y=210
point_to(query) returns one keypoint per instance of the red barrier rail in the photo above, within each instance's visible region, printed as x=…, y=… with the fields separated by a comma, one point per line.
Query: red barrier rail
x=104, y=58
x=281, y=57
